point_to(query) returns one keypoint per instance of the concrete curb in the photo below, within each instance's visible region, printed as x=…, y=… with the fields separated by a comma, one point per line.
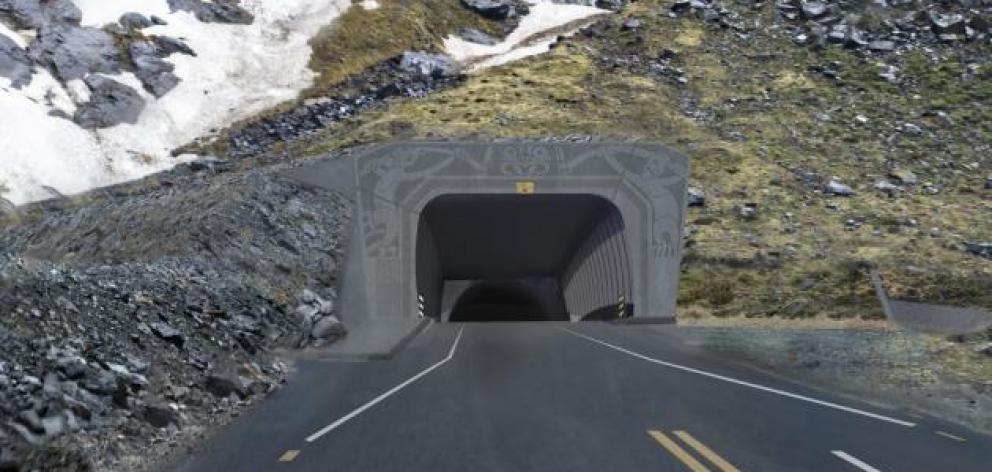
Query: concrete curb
x=646, y=321
x=402, y=343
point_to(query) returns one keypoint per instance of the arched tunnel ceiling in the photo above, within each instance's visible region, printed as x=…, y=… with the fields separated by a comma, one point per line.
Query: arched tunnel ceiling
x=393, y=183
x=509, y=235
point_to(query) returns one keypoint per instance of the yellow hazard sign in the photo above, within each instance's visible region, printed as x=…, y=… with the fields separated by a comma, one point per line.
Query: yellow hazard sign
x=525, y=188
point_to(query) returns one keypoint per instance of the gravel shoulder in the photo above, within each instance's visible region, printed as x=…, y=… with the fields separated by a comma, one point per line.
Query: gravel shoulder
x=879, y=364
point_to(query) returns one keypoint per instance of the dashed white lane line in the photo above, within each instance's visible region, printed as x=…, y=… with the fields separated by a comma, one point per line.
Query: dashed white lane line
x=375, y=401
x=745, y=383
x=855, y=461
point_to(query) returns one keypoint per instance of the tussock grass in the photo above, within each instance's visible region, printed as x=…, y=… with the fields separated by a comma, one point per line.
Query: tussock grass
x=361, y=38
x=797, y=259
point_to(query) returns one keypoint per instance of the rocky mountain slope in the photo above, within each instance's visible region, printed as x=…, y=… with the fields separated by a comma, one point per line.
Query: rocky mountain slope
x=126, y=346
x=827, y=138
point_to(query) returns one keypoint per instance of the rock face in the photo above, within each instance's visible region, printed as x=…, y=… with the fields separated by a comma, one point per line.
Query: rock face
x=492, y=9
x=473, y=35
x=72, y=53
x=111, y=103
x=14, y=63
x=29, y=14
x=409, y=75
x=219, y=11
x=104, y=332
x=155, y=74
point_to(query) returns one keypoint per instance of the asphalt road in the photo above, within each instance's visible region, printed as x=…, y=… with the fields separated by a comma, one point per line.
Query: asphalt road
x=572, y=397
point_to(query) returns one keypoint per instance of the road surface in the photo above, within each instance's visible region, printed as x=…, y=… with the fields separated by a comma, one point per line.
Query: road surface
x=572, y=397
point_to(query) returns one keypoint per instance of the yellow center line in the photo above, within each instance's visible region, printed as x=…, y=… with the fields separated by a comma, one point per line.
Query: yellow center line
x=289, y=456
x=706, y=452
x=678, y=452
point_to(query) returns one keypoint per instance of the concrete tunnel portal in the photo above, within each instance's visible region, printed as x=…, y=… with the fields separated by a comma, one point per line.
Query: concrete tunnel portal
x=515, y=231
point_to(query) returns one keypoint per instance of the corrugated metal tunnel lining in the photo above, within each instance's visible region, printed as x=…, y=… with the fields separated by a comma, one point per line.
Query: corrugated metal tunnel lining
x=503, y=257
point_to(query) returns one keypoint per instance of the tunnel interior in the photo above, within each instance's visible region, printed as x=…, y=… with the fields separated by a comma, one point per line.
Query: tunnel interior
x=510, y=257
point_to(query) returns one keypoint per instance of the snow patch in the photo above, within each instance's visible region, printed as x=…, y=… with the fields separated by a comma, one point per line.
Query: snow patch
x=14, y=36
x=543, y=17
x=239, y=71
x=370, y=4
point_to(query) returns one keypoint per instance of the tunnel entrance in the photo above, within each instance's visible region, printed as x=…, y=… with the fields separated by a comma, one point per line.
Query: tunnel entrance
x=510, y=257
x=489, y=230
x=508, y=300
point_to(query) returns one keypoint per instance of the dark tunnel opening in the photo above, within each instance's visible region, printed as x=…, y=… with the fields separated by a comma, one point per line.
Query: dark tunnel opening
x=506, y=257
x=505, y=301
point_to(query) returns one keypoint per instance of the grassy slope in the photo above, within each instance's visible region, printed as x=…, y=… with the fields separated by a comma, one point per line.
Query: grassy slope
x=362, y=38
x=796, y=258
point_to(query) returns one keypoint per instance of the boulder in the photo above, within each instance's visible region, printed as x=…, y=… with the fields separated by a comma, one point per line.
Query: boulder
x=214, y=12
x=168, y=333
x=72, y=367
x=882, y=46
x=224, y=387
x=428, y=64
x=54, y=425
x=73, y=53
x=947, y=24
x=887, y=187
x=492, y=9
x=154, y=73
x=14, y=63
x=100, y=382
x=814, y=10
x=167, y=46
x=612, y=5
x=31, y=420
x=133, y=20
x=904, y=177
x=631, y=24
x=910, y=128
x=697, y=197
x=979, y=249
x=328, y=327
x=159, y=416
x=111, y=103
x=748, y=211
x=31, y=14
x=836, y=188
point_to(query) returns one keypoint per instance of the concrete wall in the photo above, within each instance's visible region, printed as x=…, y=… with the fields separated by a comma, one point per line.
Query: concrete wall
x=393, y=183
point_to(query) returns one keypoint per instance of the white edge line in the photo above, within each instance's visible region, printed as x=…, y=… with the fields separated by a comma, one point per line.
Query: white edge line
x=344, y=419
x=855, y=461
x=746, y=384
x=951, y=436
